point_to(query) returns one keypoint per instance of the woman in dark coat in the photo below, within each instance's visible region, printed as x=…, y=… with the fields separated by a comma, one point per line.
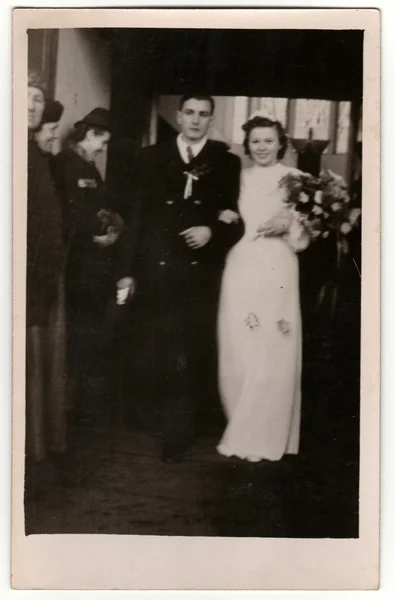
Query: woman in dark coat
x=45, y=367
x=90, y=231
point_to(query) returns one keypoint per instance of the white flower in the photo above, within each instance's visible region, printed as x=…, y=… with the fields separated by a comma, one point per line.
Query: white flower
x=354, y=215
x=345, y=228
x=338, y=178
x=336, y=206
x=318, y=197
x=303, y=198
x=317, y=210
x=302, y=220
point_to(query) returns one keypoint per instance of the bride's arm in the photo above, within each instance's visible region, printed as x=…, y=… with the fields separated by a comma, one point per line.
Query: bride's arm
x=286, y=225
x=297, y=235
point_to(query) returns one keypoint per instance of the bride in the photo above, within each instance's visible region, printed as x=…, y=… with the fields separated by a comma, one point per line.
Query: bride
x=259, y=323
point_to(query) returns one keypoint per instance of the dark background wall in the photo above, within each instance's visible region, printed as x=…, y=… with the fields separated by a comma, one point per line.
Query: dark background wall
x=274, y=63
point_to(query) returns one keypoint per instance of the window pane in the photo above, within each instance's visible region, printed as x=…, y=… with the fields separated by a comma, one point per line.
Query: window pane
x=312, y=114
x=277, y=107
x=343, y=127
x=239, y=118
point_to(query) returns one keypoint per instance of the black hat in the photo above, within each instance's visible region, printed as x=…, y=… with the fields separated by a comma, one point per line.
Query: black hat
x=52, y=112
x=98, y=117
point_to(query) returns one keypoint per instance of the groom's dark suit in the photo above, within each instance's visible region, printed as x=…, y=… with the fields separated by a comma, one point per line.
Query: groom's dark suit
x=174, y=309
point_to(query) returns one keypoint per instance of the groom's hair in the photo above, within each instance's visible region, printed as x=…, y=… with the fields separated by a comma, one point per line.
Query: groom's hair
x=187, y=97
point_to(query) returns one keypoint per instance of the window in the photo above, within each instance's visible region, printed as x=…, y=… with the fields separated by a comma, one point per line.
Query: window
x=314, y=115
x=342, y=127
x=239, y=118
x=278, y=107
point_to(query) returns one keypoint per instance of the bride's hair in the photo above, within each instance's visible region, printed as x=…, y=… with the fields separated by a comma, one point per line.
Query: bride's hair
x=265, y=122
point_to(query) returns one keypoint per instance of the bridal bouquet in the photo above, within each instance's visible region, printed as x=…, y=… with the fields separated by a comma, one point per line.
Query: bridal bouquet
x=322, y=204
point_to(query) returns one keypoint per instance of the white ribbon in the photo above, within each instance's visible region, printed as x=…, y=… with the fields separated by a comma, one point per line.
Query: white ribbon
x=188, y=186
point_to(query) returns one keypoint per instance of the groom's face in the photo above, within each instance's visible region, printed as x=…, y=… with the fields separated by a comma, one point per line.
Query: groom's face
x=194, y=119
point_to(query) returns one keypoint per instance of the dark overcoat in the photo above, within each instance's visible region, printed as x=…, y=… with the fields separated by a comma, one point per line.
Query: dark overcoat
x=89, y=267
x=177, y=287
x=90, y=281
x=44, y=238
x=46, y=401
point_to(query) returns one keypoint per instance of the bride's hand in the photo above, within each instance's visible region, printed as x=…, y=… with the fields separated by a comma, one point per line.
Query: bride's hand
x=277, y=225
x=228, y=216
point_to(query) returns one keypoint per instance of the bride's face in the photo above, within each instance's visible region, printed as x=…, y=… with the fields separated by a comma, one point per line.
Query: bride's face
x=264, y=145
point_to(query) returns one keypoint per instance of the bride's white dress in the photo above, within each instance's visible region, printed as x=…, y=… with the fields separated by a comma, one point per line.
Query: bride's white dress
x=259, y=328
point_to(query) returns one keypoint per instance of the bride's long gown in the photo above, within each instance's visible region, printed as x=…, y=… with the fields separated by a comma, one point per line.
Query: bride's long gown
x=259, y=328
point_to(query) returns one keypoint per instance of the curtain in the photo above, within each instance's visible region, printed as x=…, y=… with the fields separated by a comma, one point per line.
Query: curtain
x=42, y=52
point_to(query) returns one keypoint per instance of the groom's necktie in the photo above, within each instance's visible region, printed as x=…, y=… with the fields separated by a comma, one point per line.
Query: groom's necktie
x=190, y=176
x=190, y=154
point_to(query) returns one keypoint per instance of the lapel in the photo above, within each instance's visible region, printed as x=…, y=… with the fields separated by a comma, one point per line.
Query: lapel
x=206, y=158
x=169, y=155
x=204, y=155
x=170, y=163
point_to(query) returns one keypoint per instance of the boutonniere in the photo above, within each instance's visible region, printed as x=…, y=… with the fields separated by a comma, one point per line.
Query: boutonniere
x=194, y=175
x=87, y=183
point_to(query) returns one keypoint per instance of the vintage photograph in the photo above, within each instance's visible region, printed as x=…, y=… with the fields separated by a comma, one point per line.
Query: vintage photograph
x=193, y=282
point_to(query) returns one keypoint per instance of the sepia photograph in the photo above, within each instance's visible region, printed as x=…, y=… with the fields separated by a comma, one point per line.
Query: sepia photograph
x=193, y=281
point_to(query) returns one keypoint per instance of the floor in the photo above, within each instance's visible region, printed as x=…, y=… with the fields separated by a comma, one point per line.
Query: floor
x=117, y=484
x=125, y=489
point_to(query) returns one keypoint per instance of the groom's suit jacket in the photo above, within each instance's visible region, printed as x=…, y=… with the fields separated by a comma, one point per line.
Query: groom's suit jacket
x=152, y=248
x=172, y=354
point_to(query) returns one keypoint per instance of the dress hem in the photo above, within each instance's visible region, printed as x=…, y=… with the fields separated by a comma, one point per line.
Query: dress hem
x=221, y=449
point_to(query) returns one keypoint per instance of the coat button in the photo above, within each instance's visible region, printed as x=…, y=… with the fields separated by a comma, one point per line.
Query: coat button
x=162, y=262
x=194, y=262
x=169, y=202
x=197, y=201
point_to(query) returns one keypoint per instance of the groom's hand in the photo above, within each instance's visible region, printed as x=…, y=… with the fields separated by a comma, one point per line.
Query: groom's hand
x=197, y=237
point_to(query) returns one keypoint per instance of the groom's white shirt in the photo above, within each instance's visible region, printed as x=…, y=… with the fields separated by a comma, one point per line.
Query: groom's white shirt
x=196, y=148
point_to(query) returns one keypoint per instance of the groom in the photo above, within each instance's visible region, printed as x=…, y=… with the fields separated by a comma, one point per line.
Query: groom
x=171, y=263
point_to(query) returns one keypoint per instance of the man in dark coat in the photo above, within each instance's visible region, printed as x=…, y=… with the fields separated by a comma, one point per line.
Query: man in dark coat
x=174, y=255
